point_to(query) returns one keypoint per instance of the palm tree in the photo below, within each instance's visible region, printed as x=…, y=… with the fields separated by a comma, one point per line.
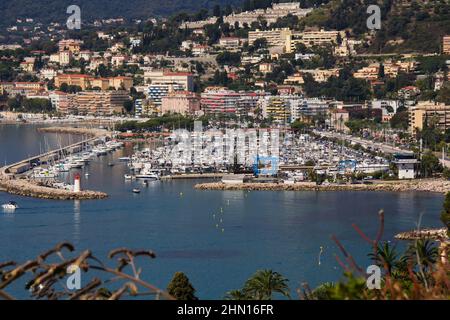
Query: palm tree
x=264, y=283
x=423, y=252
x=236, y=295
x=386, y=256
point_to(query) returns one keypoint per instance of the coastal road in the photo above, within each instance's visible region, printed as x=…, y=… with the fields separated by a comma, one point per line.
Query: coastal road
x=373, y=145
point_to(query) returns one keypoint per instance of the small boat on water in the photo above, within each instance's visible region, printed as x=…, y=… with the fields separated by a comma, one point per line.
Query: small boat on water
x=128, y=177
x=10, y=206
x=136, y=190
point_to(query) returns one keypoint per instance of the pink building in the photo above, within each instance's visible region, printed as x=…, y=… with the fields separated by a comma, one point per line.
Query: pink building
x=183, y=102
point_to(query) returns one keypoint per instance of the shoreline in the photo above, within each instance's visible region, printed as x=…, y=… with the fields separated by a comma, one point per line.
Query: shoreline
x=76, y=131
x=9, y=183
x=428, y=185
x=26, y=188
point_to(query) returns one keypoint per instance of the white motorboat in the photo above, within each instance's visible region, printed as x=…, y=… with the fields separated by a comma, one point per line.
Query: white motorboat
x=128, y=177
x=147, y=176
x=10, y=206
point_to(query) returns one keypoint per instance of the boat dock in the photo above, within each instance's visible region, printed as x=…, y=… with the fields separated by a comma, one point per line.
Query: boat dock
x=21, y=167
x=13, y=177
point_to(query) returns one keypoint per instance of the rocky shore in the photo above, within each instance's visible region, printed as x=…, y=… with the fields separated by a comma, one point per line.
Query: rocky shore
x=23, y=187
x=425, y=185
x=77, y=131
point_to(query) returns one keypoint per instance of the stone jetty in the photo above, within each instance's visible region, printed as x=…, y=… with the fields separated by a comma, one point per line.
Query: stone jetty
x=425, y=185
x=430, y=234
x=28, y=188
x=76, y=131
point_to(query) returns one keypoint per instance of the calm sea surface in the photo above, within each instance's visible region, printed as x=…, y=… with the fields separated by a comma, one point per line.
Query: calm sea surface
x=218, y=238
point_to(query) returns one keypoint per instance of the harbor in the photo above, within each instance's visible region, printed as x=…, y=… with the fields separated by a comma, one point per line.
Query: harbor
x=38, y=176
x=233, y=231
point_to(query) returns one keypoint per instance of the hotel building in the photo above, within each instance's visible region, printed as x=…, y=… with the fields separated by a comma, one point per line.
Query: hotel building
x=436, y=113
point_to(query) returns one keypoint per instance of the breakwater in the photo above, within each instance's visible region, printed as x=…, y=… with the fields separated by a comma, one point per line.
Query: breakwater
x=13, y=177
x=426, y=185
x=28, y=188
x=92, y=132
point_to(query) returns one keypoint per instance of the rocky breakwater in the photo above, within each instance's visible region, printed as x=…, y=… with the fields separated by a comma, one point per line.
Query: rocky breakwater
x=27, y=188
x=76, y=131
x=428, y=185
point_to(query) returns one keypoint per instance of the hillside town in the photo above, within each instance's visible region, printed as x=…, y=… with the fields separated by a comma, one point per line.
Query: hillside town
x=264, y=68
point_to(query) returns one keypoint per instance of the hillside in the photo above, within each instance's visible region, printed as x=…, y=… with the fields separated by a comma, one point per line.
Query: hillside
x=55, y=10
x=407, y=26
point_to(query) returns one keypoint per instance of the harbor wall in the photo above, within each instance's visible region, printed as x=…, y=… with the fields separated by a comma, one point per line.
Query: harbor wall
x=425, y=185
x=24, y=187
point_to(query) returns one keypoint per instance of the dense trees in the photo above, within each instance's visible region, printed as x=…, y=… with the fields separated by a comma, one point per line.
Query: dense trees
x=171, y=121
x=181, y=288
x=229, y=58
x=21, y=104
x=429, y=165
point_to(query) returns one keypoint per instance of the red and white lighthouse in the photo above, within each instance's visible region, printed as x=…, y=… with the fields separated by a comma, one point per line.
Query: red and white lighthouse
x=77, y=183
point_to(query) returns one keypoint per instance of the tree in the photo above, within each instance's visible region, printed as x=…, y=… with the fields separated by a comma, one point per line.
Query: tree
x=400, y=120
x=385, y=257
x=430, y=165
x=261, y=286
x=128, y=105
x=181, y=288
x=445, y=215
x=217, y=12
x=444, y=94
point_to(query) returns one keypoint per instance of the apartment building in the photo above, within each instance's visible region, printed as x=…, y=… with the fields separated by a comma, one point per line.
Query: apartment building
x=81, y=80
x=319, y=75
x=274, y=37
x=431, y=113
x=219, y=100
x=100, y=102
x=230, y=42
x=370, y=72
x=446, y=44
x=185, y=79
x=71, y=45
x=62, y=102
x=277, y=108
x=311, y=38
x=157, y=91
x=88, y=82
x=182, y=102
x=23, y=88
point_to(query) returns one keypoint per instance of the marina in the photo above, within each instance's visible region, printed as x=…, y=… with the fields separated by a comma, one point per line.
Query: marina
x=38, y=176
x=183, y=225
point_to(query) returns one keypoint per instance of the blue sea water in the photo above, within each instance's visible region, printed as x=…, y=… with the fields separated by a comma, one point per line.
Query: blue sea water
x=218, y=238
